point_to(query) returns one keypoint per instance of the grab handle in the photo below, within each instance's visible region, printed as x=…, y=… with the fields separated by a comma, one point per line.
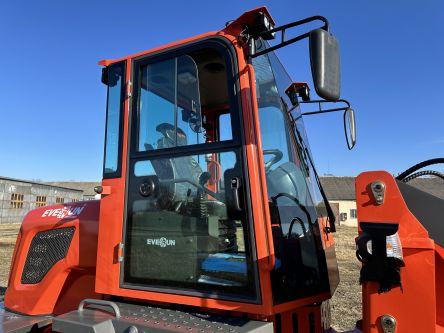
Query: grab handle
x=90, y=301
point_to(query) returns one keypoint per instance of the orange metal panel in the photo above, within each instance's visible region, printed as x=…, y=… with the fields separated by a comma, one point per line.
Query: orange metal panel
x=77, y=268
x=414, y=305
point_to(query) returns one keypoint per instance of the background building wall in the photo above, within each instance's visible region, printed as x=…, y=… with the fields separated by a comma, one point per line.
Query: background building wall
x=11, y=212
x=346, y=207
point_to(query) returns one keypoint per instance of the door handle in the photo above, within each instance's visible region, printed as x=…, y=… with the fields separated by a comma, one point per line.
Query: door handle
x=235, y=186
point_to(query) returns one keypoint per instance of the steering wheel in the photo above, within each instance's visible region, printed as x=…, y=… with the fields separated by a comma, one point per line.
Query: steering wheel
x=277, y=157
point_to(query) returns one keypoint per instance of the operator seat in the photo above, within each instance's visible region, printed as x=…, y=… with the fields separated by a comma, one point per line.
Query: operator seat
x=185, y=167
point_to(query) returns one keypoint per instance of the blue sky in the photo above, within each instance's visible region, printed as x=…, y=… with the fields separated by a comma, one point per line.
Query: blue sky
x=52, y=104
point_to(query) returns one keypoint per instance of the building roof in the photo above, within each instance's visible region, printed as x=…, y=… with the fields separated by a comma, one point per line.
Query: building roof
x=339, y=188
x=59, y=185
x=86, y=187
x=343, y=188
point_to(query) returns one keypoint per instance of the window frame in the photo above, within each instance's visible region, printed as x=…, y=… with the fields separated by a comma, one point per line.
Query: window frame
x=118, y=172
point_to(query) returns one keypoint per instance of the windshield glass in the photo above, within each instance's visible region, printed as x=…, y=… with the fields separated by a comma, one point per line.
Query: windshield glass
x=300, y=270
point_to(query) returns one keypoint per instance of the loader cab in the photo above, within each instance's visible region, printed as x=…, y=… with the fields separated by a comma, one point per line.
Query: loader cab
x=221, y=207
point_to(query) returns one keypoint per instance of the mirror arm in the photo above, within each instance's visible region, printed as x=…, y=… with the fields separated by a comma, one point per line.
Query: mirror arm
x=300, y=22
x=282, y=30
x=324, y=111
x=327, y=110
x=327, y=101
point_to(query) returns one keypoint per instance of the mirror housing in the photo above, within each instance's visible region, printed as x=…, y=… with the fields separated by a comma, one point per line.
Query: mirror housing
x=350, y=127
x=349, y=118
x=325, y=67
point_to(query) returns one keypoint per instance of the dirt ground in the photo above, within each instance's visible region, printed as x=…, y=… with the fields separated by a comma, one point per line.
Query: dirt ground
x=345, y=305
x=8, y=236
x=346, y=302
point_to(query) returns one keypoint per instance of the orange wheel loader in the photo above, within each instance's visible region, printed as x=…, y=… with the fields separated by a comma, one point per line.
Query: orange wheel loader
x=212, y=217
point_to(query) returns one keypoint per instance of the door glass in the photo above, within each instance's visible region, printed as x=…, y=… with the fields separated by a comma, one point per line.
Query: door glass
x=180, y=98
x=186, y=226
x=155, y=108
x=180, y=234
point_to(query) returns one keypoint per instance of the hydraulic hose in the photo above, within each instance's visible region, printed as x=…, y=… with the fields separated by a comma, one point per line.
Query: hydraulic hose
x=423, y=173
x=419, y=166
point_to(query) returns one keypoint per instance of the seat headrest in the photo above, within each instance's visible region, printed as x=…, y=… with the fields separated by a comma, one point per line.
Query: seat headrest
x=168, y=132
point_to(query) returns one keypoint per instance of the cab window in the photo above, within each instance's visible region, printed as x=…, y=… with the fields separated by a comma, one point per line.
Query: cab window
x=115, y=78
x=180, y=100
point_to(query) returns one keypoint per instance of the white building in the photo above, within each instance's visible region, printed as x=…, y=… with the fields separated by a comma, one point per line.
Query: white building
x=340, y=192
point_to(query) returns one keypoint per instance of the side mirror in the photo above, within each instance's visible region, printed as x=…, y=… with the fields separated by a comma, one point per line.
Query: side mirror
x=325, y=68
x=350, y=127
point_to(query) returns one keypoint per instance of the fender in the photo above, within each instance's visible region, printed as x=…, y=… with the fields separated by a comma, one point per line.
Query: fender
x=54, y=262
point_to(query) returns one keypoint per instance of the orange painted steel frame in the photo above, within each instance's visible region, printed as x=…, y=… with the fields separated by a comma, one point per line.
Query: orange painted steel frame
x=113, y=208
x=418, y=305
x=71, y=279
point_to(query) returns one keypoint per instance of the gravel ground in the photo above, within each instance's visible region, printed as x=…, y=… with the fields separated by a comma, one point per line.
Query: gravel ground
x=345, y=305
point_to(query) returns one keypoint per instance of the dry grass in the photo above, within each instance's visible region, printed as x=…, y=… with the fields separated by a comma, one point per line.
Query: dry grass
x=346, y=302
x=345, y=305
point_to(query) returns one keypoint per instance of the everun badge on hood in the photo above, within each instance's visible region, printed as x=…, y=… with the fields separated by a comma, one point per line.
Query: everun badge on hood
x=67, y=212
x=162, y=242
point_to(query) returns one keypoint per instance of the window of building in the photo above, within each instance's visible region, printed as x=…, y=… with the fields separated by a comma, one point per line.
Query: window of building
x=17, y=200
x=353, y=214
x=75, y=200
x=60, y=200
x=40, y=201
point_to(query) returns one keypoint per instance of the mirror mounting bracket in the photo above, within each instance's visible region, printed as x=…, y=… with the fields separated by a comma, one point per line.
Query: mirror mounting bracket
x=282, y=29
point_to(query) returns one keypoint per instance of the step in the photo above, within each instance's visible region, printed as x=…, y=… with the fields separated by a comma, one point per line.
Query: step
x=141, y=318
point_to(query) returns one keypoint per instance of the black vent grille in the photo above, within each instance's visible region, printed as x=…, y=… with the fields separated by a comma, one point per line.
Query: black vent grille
x=47, y=248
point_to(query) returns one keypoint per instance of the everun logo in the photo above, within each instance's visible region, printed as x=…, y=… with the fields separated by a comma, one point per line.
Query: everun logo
x=67, y=212
x=162, y=242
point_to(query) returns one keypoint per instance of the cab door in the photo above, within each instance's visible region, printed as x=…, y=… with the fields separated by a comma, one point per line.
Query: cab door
x=187, y=229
